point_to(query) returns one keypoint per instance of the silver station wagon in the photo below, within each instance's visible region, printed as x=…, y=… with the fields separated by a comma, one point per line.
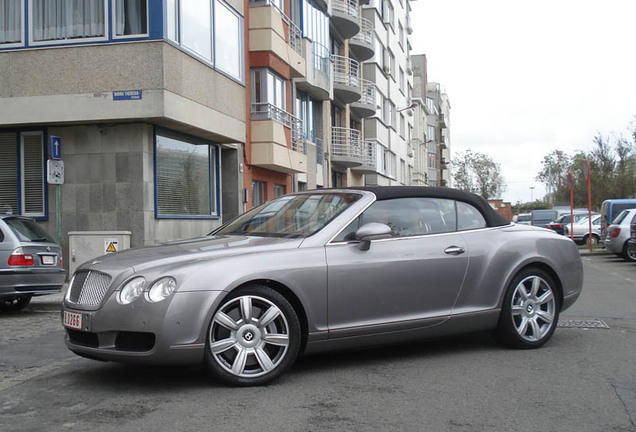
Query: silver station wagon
x=322, y=270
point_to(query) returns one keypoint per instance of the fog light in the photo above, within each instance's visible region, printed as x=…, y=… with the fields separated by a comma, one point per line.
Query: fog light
x=162, y=289
x=133, y=289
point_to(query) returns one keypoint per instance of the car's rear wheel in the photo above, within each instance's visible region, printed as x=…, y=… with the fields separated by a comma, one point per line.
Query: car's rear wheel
x=253, y=338
x=12, y=304
x=628, y=255
x=590, y=240
x=530, y=310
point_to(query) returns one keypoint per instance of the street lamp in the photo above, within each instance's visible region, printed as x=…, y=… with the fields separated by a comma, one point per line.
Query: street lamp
x=531, y=194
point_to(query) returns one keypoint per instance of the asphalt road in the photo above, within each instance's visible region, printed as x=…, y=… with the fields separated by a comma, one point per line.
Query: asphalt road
x=584, y=379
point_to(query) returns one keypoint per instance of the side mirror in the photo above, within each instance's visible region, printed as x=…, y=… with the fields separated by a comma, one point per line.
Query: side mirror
x=372, y=231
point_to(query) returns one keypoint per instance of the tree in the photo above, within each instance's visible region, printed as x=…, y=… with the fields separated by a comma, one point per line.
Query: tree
x=477, y=173
x=554, y=172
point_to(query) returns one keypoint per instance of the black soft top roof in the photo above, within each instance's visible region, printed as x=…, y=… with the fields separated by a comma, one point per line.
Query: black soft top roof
x=391, y=192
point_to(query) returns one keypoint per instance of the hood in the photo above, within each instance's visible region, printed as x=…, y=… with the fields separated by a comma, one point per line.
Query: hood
x=178, y=252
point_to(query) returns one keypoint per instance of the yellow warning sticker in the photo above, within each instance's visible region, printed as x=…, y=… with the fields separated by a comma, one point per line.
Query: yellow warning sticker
x=111, y=245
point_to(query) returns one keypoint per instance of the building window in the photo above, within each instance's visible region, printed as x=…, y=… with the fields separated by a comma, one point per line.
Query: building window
x=431, y=160
x=279, y=190
x=131, y=18
x=186, y=177
x=11, y=25
x=22, y=187
x=430, y=133
x=55, y=20
x=258, y=193
x=268, y=95
x=210, y=29
x=228, y=28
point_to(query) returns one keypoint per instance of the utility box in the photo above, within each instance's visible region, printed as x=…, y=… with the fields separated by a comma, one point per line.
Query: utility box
x=86, y=245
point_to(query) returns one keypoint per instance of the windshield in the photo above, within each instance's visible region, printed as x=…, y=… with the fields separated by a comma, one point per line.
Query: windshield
x=28, y=231
x=290, y=216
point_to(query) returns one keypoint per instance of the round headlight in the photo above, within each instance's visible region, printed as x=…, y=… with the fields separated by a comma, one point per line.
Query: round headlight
x=162, y=289
x=133, y=289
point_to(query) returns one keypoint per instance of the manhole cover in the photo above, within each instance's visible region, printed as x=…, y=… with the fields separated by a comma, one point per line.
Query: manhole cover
x=584, y=324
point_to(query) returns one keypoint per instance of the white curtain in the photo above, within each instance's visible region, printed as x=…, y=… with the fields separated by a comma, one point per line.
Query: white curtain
x=129, y=16
x=10, y=23
x=65, y=19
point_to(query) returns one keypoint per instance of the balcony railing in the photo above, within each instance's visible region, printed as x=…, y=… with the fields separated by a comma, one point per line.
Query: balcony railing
x=346, y=71
x=322, y=57
x=294, y=35
x=346, y=142
x=369, y=154
x=367, y=32
x=347, y=7
x=368, y=92
x=267, y=111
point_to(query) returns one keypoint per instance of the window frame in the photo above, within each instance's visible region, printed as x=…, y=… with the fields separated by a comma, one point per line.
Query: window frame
x=75, y=40
x=214, y=174
x=22, y=41
x=20, y=173
x=130, y=36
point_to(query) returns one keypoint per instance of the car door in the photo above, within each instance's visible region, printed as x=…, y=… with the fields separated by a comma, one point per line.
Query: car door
x=410, y=280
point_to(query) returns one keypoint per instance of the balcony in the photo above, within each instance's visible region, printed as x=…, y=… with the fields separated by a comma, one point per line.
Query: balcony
x=365, y=107
x=442, y=120
x=346, y=79
x=346, y=147
x=318, y=70
x=362, y=45
x=369, y=159
x=442, y=142
x=271, y=30
x=277, y=139
x=345, y=17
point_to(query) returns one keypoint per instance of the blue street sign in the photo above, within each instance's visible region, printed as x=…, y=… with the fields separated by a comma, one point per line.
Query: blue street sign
x=55, y=147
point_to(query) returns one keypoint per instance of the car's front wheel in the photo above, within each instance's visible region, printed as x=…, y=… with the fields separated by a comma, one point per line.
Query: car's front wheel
x=530, y=311
x=253, y=338
x=12, y=304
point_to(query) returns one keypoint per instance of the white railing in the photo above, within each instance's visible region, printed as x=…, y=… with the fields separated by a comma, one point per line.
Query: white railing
x=367, y=32
x=267, y=111
x=369, y=153
x=347, y=7
x=368, y=93
x=346, y=71
x=345, y=142
x=322, y=58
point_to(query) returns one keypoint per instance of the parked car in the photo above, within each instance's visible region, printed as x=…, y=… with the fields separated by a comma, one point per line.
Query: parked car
x=522, y=218
x=542, y=217
x=581, y=233
x=30, y=262
x=631, y=244
x=331, y=268
x=612, y=208
x=563, y=220
x=618, y=234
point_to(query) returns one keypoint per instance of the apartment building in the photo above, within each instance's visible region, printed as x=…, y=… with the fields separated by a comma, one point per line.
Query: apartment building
x=431, y=142
x=171, y=116
x=145, y=100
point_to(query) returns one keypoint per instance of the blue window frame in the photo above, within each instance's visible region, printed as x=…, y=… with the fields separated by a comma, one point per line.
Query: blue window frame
x=22, y=174
x=186, y=173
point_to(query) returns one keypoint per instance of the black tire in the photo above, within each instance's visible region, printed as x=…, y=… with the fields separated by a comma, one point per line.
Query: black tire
x=586, y=239
x=530, y=310
x=253, y=337
x=13, y=304
x=627, y=255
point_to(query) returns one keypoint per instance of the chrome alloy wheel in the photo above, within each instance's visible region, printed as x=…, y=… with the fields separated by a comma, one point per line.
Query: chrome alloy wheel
x=249, y=336
x=533, y=308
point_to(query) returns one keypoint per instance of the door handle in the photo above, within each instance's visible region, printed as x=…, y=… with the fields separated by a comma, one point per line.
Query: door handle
x=454, y=250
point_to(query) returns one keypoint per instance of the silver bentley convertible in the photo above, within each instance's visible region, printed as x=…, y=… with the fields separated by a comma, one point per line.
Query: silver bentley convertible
x=321, y=270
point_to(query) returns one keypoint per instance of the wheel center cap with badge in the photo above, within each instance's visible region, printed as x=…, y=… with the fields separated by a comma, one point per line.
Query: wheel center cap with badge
x=249, y=336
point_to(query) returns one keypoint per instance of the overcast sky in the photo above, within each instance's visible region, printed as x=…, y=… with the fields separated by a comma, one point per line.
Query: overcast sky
x=524, y=78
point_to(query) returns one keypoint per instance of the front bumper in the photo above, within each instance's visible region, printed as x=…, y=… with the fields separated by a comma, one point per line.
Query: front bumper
x=169, y=332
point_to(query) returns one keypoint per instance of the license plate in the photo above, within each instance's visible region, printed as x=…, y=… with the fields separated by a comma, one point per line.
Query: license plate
x=72, y=320
x=48, y=259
